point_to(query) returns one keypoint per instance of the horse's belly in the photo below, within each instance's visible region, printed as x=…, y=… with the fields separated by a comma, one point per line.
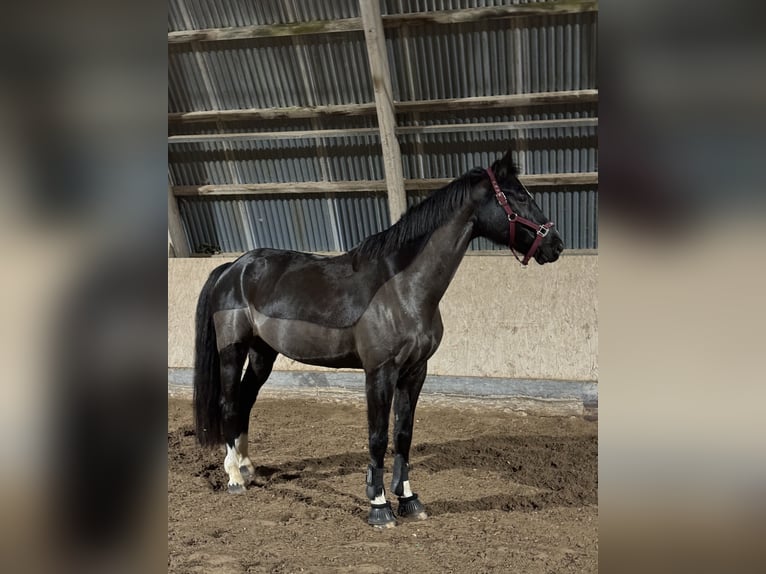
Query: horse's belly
x=307, y=342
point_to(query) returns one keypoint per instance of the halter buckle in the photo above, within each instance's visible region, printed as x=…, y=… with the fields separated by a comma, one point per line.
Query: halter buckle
x=543, y=231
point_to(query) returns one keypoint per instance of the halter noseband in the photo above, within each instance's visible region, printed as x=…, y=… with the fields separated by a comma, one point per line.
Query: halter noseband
x=514, y=218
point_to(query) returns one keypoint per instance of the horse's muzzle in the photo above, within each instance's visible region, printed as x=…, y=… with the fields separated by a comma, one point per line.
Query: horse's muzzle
x=550, y=251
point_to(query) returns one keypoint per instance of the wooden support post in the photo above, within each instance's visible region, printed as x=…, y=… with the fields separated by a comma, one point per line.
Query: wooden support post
x=384, y=105
x=178, y=246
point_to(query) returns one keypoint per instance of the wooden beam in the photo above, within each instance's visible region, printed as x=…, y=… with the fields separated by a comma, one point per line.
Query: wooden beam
x=552, y=179
x=286, y=113
x=499, y=126
x=531, y=180
x=495, y=102
x=384, y=106
x=388, y=21
x=349, y=110
x=261, y=136
x=491, y=13
x=265, y=31
x=402, y=130
x=297, y=188
x=178, y=245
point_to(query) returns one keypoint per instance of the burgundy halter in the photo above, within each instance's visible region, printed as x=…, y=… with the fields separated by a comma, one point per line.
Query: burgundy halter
x=514, y=218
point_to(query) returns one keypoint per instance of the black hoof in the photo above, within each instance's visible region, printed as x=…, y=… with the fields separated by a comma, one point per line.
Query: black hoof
x=411, y=507
x=382, y=516
x=236, y=488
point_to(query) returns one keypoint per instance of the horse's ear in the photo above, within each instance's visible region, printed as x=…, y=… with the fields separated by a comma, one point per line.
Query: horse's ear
x=504, y=167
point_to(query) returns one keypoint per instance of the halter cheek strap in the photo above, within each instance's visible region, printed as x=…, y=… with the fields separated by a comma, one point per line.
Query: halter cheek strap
x=514, y=218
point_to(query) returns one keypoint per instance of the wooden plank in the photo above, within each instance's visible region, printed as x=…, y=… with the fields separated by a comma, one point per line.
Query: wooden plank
x=495, y=102
x=491, y=13
x=531, y=180
x=499, y=126
x=583, y=178
x=280, y=188
x=297, y=188
x=384, y=106
x=388, y=21
x=265, y=31
x=291, y=112
x=261, y=136
x=390, y=133
x=349, y=110
x=178, y=245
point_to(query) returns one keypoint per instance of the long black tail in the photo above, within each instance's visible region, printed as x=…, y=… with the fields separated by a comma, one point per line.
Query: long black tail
x=207, y=377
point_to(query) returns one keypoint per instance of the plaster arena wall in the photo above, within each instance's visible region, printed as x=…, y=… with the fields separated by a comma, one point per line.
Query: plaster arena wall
x=500, y=320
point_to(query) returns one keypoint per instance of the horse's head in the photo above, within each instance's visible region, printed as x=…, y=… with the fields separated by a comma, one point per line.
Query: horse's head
x=508, y=215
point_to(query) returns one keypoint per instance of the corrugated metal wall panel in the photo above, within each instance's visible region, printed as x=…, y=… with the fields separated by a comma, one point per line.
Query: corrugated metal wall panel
x=200, y=14
x=321, y=222
x=561, y=150
x=536, y=54
x=339, y=222
x=269, y=72
x=276, y=161
x=492, y=57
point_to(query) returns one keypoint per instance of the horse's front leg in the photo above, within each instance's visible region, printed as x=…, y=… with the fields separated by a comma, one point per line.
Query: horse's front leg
x=379, y=386
x=406, y=399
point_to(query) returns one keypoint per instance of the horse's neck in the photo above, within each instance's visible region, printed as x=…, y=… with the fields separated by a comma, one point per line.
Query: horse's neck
x=437, y=263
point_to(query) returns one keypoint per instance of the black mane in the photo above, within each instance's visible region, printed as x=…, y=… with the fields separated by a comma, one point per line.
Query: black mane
x=420, y=220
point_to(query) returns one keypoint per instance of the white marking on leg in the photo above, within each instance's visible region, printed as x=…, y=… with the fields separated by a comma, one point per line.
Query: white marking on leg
x=240, y=444
x=407, y=493
x=381, y=498
x=231, y=466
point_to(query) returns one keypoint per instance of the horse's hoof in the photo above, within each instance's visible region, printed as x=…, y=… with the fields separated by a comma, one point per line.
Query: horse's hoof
x=247, y=476
x=382, y=516
x=411, y=507
x=236, y=488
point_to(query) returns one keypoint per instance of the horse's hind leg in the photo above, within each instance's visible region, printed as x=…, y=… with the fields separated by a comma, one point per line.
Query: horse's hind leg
x=262, y=358
x=405, y=400
x=232, y=359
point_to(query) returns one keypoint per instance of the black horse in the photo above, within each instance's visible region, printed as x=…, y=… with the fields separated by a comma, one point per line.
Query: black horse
x=374, y=308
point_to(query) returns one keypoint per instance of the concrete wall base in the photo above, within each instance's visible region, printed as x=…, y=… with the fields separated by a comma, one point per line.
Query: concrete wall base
x=532, y=396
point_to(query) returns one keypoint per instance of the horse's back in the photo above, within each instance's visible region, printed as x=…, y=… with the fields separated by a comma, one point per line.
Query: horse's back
x=322, y=290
